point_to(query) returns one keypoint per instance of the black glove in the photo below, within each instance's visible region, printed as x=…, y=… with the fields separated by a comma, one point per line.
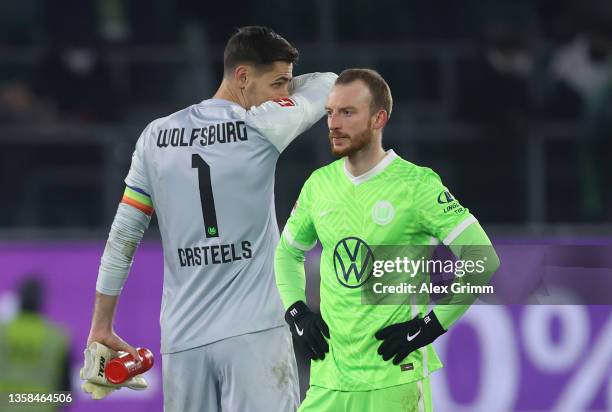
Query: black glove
x=400, y=339
x=309, y=329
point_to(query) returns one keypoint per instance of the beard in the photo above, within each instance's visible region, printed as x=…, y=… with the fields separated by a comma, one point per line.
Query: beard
x=357, y=142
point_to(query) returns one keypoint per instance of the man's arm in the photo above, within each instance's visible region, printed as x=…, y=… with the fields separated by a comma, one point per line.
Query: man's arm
x=400, y=339
x=282, y=120
x=126, y=232
x=472, y=245
x=131, y=220
x=290, y=274
x=102, y=330
x=299, y=235
x=307, y=327
x=452, y=224
x=104, y=312
x=441, y=216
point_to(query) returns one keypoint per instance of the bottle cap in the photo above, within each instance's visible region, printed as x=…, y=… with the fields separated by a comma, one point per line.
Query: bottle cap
x=116, y=372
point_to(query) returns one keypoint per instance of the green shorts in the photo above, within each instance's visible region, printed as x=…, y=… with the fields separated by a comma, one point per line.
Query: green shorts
x=411, y=397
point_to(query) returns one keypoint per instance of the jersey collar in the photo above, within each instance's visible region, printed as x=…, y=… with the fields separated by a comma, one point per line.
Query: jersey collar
x=376, y=170
x=219, y=102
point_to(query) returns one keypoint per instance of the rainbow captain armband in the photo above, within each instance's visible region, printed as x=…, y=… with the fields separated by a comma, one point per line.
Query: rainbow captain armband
x=139, y=199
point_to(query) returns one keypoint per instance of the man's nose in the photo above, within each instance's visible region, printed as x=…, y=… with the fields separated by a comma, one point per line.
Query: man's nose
x=284, y=92
x=333, y=122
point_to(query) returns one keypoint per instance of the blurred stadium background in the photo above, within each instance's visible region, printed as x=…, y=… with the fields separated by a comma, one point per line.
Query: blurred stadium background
x=509, y=101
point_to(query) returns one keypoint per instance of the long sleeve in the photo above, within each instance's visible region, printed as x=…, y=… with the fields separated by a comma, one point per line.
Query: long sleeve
x=282, y=120
x=299, y=236
x=290, y=274
x=473, y=245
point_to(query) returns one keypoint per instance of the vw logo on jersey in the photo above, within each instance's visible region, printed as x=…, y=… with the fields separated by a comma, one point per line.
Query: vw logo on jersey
x=383, y=212
x=353, y=262
x=445, y=197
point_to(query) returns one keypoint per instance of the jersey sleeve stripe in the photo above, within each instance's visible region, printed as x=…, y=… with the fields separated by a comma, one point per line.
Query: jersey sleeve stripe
x=138, y=200
x=458, y=229
x=147, y=210
x=138, y=196
x=291, y=240
x=139, y=190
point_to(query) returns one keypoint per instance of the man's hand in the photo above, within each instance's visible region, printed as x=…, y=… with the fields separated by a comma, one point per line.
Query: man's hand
x=97, y=357
x=102, y=326
x=308, y=328
x=401, y=339
x=112, y=341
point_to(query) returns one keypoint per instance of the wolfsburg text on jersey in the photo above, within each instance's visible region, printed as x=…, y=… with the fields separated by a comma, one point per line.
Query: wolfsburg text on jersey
x=227, y=132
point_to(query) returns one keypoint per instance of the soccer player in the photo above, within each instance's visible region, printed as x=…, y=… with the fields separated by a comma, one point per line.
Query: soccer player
x=208, y=172
x=369, y=357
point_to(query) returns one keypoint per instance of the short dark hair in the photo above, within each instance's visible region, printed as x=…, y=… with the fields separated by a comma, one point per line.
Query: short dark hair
x=379, y=89
x=259, y=46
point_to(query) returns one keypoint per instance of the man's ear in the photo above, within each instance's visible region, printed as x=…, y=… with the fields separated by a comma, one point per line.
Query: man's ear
x=241, y=75
x=380, y=119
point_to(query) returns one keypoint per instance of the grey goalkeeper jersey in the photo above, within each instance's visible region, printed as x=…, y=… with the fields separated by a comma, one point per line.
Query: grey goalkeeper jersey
x=209, y=170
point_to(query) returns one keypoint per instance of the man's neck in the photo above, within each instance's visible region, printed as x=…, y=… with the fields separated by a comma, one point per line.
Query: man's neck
x=365, y=159
x=226, y=92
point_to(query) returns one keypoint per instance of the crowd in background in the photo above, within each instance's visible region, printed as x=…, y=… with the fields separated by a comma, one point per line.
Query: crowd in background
x=531, y=62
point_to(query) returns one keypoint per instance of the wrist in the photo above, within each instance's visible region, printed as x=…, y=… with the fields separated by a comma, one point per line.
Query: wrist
x=296, y=311
x=432, y=322
x=101, y=329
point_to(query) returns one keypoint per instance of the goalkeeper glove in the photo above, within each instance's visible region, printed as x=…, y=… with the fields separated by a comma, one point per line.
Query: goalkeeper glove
x=401, y=339
x=97, y=357
x=309, y=329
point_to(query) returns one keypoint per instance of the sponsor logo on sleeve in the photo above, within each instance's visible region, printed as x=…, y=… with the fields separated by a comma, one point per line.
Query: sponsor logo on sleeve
x=285, y=102
x=445, y=197
x=449, y=202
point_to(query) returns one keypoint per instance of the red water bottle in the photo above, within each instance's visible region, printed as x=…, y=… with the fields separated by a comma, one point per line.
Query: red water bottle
x=124, y=367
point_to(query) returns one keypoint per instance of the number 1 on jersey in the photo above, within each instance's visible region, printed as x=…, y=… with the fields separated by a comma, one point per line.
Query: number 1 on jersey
x=207, y=199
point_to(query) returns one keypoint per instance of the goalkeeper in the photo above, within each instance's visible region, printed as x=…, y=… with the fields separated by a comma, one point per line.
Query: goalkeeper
x=207, y=171
x=369, y=357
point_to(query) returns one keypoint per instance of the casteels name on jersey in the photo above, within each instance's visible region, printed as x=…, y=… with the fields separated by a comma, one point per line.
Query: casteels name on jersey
x=228, y=132
x=215, y=254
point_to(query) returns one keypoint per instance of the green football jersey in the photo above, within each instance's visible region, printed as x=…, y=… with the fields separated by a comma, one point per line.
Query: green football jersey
x=395, y=203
